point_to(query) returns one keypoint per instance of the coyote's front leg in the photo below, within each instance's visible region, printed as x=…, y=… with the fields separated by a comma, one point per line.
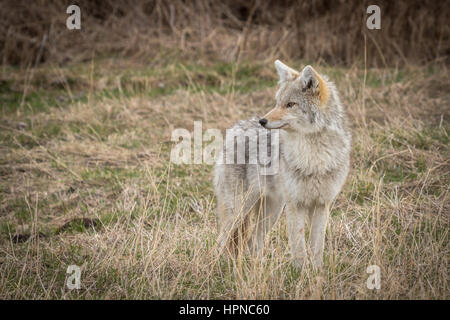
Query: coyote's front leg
x=319, y=218
x=295, y=223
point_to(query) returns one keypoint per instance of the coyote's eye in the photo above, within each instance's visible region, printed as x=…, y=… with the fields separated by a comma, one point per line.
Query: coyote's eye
x=290, y=104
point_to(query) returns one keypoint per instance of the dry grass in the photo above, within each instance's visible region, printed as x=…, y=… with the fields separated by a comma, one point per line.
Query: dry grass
x=319, y=30
x=96, y=146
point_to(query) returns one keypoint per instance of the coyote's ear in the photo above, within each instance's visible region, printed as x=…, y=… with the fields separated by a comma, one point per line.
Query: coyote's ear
x=311, y=81
x=285, y=72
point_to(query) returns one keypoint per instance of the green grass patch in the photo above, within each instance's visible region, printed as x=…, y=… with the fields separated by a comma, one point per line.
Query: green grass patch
x=112, y=177
x=218, y=77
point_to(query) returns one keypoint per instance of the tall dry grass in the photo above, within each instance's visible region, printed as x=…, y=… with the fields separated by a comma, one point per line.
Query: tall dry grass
x=152, y=230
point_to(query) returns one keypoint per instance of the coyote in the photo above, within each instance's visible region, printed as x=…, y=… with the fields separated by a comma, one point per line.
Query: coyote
x=314, y=159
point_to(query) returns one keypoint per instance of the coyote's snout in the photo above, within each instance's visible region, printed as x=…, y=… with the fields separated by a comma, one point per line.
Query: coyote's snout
x=314, y=153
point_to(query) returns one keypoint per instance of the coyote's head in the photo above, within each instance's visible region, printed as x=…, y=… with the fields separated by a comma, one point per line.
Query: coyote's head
x=303, y=100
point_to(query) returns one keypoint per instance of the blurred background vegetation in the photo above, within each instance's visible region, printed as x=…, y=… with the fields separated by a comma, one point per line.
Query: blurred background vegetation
x=34, y=32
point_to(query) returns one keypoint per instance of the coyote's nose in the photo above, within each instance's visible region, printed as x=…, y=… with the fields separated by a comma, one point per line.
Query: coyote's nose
x=263, y=122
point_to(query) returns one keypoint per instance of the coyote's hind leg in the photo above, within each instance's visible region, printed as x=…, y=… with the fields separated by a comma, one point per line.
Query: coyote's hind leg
x=267, y=212
x=232, y=223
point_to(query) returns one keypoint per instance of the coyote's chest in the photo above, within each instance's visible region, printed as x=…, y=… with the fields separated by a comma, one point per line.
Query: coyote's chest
x=309, y=157
x=311, y=171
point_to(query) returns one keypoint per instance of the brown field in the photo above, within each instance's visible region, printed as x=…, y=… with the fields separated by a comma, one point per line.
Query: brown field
x=85, y=176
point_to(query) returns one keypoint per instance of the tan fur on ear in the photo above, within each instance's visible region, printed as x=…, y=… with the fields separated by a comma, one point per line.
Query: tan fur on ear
x=324, y=92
